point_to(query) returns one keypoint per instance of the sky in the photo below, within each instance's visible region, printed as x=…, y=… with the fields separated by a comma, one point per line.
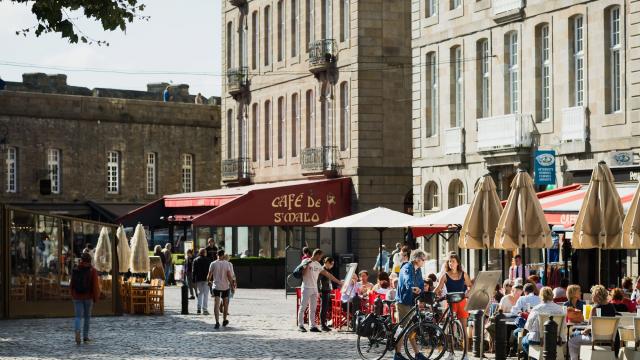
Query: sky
x=179, y=37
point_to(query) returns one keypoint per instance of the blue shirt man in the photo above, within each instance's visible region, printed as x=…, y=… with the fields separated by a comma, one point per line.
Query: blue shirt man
x=166, y=94
x=410, y=277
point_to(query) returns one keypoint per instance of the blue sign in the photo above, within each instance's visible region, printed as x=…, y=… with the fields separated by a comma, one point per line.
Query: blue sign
x=544, y=167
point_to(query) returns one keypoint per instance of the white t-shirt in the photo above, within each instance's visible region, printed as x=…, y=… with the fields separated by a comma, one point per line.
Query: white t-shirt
x=219, y=270
x=505, y=304
x=310, y=275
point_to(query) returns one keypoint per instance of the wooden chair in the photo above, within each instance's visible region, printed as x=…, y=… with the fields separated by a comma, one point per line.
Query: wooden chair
x=603, y=332
x=536, y=350
x=155, y=297
x=125, y=290
x=629, y=335
x=138, y=299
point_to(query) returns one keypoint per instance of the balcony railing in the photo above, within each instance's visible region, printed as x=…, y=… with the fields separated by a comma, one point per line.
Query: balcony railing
x=507, y=9
x=235, y=169
x=322, y=53
x=454, y=141
x=574, y=124
x=238, y=3
x=319, y=159
x=504, y=132
x=237, y=79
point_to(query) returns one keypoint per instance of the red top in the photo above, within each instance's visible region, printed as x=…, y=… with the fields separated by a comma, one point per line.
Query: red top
x=92, y=295
x=626, y=302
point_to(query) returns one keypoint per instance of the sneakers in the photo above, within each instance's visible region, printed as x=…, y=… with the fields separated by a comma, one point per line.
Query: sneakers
x=217, y=326
x=314, y=329
x=302, y=329
x=225, y=322
x=398, y=356
x=78, y=337
x=325, y=328
x=419, y=356
x=87, y=340
x=205, y=312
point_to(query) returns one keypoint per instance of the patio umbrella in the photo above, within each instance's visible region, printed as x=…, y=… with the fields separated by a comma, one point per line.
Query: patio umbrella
x=139, y=262
x=379, y=218
x=103, y=251
x=599, y=223
x=481, y=221
x=631, y=224
x=124, y=251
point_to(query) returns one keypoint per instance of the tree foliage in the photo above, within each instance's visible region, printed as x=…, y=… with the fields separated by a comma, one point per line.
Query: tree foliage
x=53, y=16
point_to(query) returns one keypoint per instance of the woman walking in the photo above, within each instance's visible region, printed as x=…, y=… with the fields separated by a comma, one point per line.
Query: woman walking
x=85, y=291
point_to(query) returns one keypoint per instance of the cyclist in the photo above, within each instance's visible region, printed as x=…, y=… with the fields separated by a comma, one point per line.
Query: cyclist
x=455, y=280
x=410, y=285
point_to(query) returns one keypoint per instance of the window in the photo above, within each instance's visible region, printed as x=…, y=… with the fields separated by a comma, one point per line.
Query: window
x=254, y=40
x=53, y=165
x=229, y=134
x=229, y=45
x=344, y=20
x=241, y=149
x=431, y=198
x=267, y=130
x=280, y=30
x=431, y=109
x=310, y=121
x=309, y=23
x=482, y=78
x=454, y=4
x=151, y=173
x=511, y=54
x=242, y=43
x=543, y=52
x=113, y=172
x=613, y=59
x=267, y=35
x=281, y=127
x=255, y=132
x=456, y=95
x=327, y=17
x=577, y=68
x=344, y=116
x=326, y=117
x=457, y=195
x=431, y=8
x=12, y=170
x=295, y=125
x=295, y=32
x=187, y=173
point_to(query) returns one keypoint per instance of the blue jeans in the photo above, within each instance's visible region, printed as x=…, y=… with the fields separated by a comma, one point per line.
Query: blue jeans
x=83, y=310
x=526, y=342
x=168, y=274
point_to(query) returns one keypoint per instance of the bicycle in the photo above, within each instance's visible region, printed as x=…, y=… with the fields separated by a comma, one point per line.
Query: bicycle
x=383, y=336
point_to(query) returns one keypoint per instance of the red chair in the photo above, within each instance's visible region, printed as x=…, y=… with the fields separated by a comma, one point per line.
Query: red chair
x=338, y=317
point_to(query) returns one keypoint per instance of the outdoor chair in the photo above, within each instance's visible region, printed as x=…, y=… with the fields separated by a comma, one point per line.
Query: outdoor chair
x=629, y=335
x=536, y=351
x=338, y=317
x=138, y=300
x=125, y=290
x=155, y=297
x=603, y=331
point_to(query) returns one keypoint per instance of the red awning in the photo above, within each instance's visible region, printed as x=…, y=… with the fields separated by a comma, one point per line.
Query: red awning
x=562, y=208
x=293, y=203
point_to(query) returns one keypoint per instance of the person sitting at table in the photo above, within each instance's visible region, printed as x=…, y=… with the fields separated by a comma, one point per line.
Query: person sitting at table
x=351, y=295
x=561, y=291
x=627, y=286
x=365, y=285
x=599, y=295
x=507, y=285
x=532, y=325
x=535, y=280
x=526, y=302
x=574, y=294
x=382, y=285
x=621, y=303
x=508, y=301
x=497, y=294
x=635, y=295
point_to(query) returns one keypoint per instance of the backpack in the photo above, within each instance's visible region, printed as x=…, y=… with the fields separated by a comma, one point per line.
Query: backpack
x=81, y=280
x=297, y=272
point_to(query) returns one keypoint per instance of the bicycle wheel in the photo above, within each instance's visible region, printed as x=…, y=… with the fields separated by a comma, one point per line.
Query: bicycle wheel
x=373, y=347
x=424, y=338
x=456, y=341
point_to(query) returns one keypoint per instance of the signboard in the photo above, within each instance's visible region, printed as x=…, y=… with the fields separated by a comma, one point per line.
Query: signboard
x=621, y=158
x=351, y=269
x=544, y=167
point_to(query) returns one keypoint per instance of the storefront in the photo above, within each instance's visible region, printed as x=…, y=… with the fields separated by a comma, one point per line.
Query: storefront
x=37, y=253
x=259, y=220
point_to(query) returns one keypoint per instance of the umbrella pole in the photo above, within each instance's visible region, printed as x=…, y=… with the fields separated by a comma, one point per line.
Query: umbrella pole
x=486, y=261
x=502, y=264
x=545, y=280
x=380, y=248
x=524, y=261
x=638, y=260
x=468, y=261
x=599, y=264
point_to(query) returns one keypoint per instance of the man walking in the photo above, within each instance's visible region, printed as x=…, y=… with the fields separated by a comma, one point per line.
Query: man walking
x=168, y=265
x=309, y=288
x=223, y=280
x=200, y=271
x=85, y=291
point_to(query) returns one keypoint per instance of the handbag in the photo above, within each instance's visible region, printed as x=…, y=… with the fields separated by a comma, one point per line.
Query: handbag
x=574, y=315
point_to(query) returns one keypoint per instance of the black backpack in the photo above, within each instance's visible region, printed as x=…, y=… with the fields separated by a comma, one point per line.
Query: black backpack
x=81, y=280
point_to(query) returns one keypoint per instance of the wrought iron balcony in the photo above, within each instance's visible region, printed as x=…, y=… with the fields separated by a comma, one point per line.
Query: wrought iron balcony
x=505, y=132
x=506, y=10
x=322, y=54
x=238, y=3
x=235, y=170
x=237, y=80
x=321, y=159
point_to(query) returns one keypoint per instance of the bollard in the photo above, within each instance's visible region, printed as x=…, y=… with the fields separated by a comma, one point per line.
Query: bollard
x=550, y=339
x=184, y=297
x=478, y=332
x=501, y=336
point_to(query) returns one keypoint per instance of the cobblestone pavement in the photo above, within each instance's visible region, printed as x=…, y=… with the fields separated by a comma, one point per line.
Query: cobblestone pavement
x=262, y=326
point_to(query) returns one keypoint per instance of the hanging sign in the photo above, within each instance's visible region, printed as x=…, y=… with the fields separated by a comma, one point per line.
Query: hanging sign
x=544, y=167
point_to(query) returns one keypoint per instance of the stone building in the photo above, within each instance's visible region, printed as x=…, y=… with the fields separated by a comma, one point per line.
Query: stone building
x=319, y=89
x=70, y=150
x=494, y=81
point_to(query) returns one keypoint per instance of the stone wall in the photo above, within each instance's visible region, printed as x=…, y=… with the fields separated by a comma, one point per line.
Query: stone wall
x=84, y=128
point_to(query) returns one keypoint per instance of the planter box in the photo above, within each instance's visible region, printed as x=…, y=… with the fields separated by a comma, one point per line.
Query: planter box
x=260, y=276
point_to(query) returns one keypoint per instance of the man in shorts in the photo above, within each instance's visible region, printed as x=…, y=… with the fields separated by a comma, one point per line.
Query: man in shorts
x=223, y=280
